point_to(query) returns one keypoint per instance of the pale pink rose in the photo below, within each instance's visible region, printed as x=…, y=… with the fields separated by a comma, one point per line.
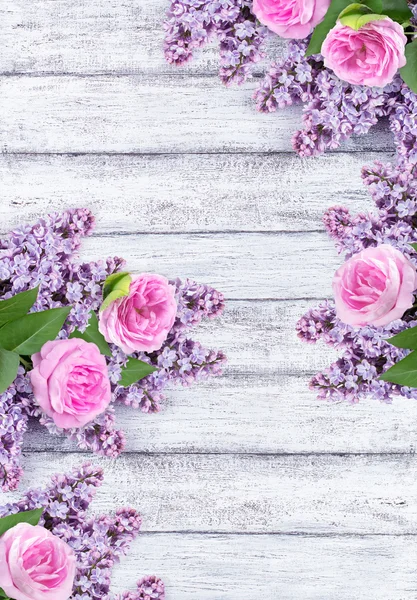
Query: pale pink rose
x=70, y=382
x=291, y=18
x=369, y=56
x=35, y=565
x=142, y=320
x=374, y=287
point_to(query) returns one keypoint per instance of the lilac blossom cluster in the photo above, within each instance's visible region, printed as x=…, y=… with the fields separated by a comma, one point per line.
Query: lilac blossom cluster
x=98, y=542
x=365, y=352
x=333, y=109
x=190, y=24
x=46, y=255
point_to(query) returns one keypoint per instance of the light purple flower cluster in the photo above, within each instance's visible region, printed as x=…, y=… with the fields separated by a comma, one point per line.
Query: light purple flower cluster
x=191, y=24
x=366, y=353
x=46, y=255
x=98, y=542
x=333, y=110
x=149, y=588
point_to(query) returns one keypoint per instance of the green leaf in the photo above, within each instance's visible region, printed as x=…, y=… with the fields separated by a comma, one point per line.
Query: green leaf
x=358, y=20
x=3, y=595
x=403, y=372
x=9, y=364
x=28, y=334
x=93, y=335
x=30, y=516
x=398, y=10
x=116, y=286
x=134, y=371
x=17, y=306
x=332, y=15
x=405, y=339
x=409, y=72
x=355, y=8
x=414, y=246
x=376, y=6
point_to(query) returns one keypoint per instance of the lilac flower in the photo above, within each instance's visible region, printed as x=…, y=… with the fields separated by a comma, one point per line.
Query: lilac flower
x=366, y=354
x=98, y=542
x=149, y=588
x=191, y=24
x=46, y=255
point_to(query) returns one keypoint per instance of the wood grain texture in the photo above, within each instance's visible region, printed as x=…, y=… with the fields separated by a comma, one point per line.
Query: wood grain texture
x=70, y=36
x=249, y=487
x=257, y=413
x=184, y=193
x=142, y=114
x=243, y=567
x=242, y=265
x=254, y=494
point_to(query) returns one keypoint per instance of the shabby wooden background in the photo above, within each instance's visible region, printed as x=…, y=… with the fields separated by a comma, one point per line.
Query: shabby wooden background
x=250, y=489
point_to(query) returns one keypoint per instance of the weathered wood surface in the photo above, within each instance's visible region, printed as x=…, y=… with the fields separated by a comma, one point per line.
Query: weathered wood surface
x=184, y=193
x=253, y=266
x=320, y=495
x=230, y=567
x=248, y=485
x=257, y=414
x=69, y=36
x=142, y=114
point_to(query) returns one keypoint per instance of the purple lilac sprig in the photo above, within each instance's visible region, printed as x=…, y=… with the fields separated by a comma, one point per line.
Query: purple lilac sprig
x=98, y=542
x=333, y=109
x=46, y=254
x=366, y=354
x=149, y=588
x=190, y=24
x=181, y=359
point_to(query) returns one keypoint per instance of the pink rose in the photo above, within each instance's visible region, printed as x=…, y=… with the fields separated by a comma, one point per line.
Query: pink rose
x=369, y=56
x=70, y=382
x=142, y=320
x=291, y=18
x=35, y=565
x=374, y=287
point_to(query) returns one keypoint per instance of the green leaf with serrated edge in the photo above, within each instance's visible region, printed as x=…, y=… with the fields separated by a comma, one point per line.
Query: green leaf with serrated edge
x=134, y=371
x=9, y=364
x=116, y=286
x=17, y=306
x=398, y=10
x=329, y=21
x=28, y=334
x=405, y=339
x=93, y=335
x=403, y=372
x=30, y=516
x=409, y=71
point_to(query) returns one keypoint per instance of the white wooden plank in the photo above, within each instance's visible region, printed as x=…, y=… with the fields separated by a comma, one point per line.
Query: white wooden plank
x=257, y=413
x=243, y=265
x=73, y=36
x=145, y=115
x=321, y=494
x=178, y=193
x=261, y=337
x=274, y=567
